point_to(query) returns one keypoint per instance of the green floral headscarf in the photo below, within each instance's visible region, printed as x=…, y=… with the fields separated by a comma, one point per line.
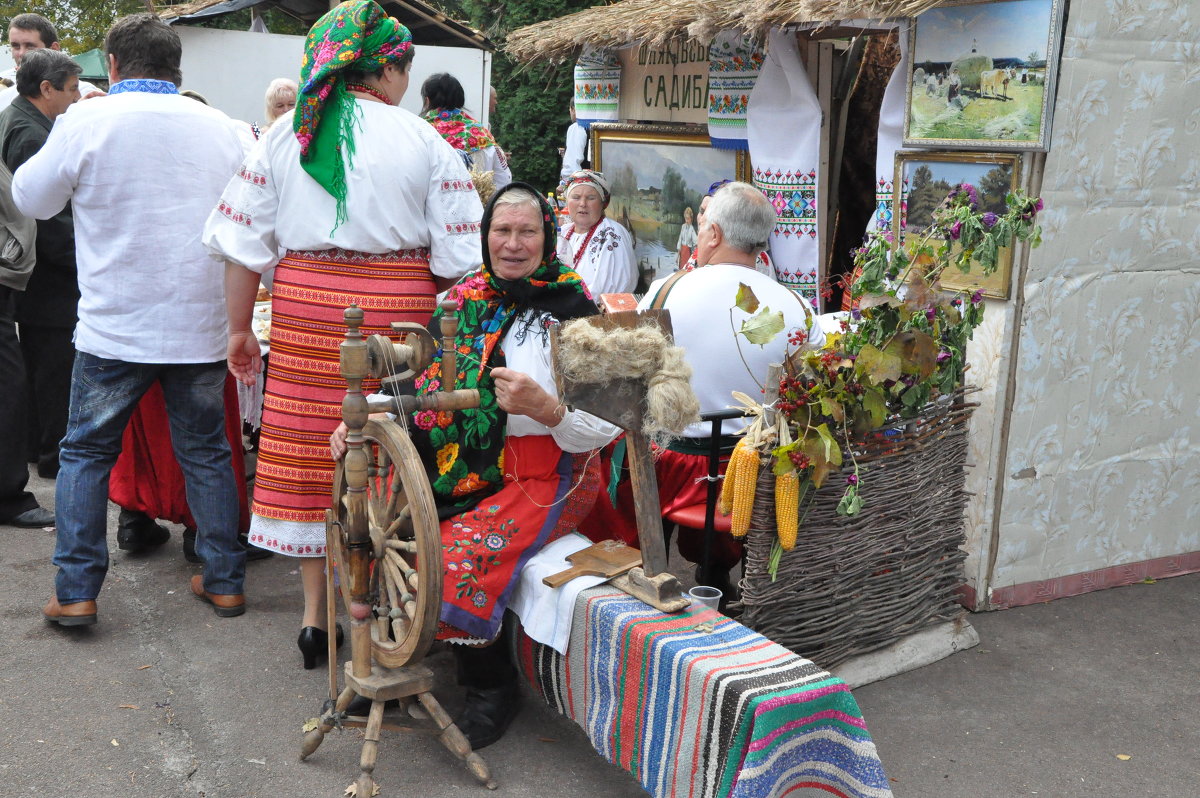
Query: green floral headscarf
x=357, y=35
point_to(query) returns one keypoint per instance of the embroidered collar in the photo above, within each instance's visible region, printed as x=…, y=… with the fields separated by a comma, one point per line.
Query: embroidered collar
x=146, y=85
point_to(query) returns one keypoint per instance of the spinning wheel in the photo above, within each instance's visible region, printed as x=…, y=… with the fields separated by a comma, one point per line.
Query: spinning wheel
x=384, y=538
x=406, y=553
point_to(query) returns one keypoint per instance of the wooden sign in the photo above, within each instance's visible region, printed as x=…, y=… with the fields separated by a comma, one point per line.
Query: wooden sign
x=665, y=83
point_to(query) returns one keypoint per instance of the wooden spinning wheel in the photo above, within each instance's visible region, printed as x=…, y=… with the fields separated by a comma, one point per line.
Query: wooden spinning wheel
x=384, y=538
x=406, y=574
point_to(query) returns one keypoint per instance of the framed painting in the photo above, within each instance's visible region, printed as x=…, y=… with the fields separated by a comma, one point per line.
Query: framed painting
x=658, y=175
x=923, y=179
x=983, y=75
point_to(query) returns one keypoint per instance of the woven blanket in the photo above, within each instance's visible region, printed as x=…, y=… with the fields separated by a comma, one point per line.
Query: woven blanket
x=695, y=705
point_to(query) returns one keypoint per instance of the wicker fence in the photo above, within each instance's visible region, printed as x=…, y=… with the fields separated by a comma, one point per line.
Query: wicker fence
x=854, y=585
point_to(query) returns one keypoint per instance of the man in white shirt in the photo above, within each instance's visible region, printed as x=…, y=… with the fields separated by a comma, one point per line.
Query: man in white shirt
x=575, y=153
x=26, y=33
x=736, y=226
x=142, y=168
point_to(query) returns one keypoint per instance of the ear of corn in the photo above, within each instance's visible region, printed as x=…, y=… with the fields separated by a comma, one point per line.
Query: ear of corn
x=787, y=508
x=726, y=503
x=743, y=490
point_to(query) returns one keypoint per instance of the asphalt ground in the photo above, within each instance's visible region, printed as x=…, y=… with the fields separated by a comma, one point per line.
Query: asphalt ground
x=163, y=698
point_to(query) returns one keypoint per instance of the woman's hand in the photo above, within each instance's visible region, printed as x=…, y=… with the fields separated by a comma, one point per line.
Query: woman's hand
x=337, y=441
x=517, y=393
x=244, y=357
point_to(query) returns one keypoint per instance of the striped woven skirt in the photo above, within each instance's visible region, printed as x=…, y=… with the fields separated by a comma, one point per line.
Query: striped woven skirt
x=302, y=398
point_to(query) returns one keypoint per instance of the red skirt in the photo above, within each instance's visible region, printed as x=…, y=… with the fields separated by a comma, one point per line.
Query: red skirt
x=547, y=492
x=302, y=398
x=681, y=484
x=147, y=477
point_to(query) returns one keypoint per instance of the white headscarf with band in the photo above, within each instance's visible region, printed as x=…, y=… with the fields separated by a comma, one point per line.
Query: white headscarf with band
x=587, y=177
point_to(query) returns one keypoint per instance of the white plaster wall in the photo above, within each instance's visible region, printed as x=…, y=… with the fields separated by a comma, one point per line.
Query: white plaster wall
x=1103, y=463
x=232, y=69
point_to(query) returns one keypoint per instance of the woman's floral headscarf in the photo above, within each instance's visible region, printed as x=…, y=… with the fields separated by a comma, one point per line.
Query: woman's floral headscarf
x=463, y=450
x=356, y=35
x=460, y=129
x=591, y=179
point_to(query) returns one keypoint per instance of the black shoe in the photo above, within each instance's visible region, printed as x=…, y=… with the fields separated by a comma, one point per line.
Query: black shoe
x=487, y=713
x=189, y=548
x=47, y=469
x=314, y=644
x=32, y=519
x=138, y=532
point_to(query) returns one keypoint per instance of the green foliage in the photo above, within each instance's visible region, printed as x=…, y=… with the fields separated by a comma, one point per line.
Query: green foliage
x=904, y=344
x=81, y=24
x=532, y=115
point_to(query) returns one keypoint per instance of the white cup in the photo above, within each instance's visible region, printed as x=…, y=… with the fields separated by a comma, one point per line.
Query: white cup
x=708, y=596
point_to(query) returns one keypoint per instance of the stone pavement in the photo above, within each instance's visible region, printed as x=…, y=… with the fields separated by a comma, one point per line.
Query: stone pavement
x=162, y=698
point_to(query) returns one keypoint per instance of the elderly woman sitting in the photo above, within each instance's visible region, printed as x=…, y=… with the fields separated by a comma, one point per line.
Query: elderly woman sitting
x=517, y=472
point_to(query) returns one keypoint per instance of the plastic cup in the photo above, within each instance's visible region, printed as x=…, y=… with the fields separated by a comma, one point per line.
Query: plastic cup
x=708, y=596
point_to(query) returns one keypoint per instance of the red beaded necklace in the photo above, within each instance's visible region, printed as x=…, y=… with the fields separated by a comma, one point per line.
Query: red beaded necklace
x=586, y=240
x=376, y=93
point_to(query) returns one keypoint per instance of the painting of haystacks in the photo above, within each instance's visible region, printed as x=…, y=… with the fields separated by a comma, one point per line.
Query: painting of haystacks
x=982, y=75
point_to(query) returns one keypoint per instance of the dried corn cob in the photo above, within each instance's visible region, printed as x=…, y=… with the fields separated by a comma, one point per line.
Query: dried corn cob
x=743, y=490
x=726, y=502
x=787, y=508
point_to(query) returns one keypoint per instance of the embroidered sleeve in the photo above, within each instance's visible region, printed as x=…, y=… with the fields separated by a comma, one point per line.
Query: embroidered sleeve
x=612, y=259
x=242, y=226
x=452, y=212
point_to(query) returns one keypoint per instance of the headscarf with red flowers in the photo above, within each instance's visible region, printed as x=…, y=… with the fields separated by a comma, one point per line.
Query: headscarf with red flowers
x=460, y=129
x=462, y=450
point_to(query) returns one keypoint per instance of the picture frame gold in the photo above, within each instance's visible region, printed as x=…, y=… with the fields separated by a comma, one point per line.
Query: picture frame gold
x=918, y=192
x=654, y=171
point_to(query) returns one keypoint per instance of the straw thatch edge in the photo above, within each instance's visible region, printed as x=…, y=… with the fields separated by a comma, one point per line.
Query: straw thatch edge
x=655, y=21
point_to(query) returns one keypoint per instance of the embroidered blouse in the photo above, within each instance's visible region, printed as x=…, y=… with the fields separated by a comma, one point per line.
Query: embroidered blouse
x=606, y=263
x=408, y=190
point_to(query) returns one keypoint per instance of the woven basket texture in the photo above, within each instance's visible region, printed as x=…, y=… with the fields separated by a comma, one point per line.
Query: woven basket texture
x=854, y=585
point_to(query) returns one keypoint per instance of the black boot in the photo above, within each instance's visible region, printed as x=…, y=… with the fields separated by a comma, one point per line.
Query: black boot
x=492, y=697
x=137, y=532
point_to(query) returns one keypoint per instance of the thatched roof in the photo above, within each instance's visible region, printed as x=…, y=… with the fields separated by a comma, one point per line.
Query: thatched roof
x=654, y=21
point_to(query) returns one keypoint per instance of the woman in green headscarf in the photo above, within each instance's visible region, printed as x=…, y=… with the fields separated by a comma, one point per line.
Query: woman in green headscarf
x=371, y=207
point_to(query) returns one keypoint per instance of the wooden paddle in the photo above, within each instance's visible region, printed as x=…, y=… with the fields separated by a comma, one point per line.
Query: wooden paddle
x=608, y=558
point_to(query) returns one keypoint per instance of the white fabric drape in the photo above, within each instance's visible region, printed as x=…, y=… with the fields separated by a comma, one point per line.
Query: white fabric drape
x=891, y=136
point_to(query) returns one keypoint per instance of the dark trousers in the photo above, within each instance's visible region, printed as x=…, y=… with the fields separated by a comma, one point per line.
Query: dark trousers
x=49, y=356
x=14, y=473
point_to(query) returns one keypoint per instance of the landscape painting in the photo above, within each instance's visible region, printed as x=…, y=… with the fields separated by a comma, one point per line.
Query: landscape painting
x=658, y=176
x=925, y=178
x=983, y=75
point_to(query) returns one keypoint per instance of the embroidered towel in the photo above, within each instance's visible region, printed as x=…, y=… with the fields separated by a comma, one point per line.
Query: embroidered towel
x=734, y=62
x=597, y=86
x=546, y=612
x=891, y=136
x=784, y=126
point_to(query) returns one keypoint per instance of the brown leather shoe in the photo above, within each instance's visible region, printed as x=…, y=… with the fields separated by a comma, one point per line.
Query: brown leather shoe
x=227, y=605
x=77, y=613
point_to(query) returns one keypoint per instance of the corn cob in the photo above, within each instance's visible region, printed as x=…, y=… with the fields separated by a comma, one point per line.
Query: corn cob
x=726, y=501
x=743, y=490
x=787, y=508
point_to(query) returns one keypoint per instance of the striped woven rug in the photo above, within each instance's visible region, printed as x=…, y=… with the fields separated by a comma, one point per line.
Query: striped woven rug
x=695, y=705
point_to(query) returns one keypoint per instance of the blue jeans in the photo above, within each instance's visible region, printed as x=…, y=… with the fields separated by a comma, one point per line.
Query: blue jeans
x=103, y=395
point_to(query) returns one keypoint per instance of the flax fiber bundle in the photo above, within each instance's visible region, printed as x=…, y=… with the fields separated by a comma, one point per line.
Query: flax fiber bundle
x=644, y=352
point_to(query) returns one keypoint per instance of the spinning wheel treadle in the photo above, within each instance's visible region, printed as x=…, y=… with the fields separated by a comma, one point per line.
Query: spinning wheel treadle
x=406, y=571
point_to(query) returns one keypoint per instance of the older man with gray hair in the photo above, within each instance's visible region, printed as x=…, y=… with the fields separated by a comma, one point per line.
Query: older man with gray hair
x=737, y=224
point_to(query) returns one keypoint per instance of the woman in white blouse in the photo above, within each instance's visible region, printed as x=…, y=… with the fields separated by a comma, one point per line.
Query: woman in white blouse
x=596, y=247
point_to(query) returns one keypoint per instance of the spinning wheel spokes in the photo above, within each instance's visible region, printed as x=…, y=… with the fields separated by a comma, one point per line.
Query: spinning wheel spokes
x=406, y=577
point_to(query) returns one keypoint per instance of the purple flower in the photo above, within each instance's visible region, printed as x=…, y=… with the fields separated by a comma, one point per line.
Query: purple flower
x=855, y=314
x=943, y=356
x=930, y=314
x=1039, y=204
x=956, y=230
x=989, y=219
x=971, y=194
x=852, y=479
x=977, y=297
